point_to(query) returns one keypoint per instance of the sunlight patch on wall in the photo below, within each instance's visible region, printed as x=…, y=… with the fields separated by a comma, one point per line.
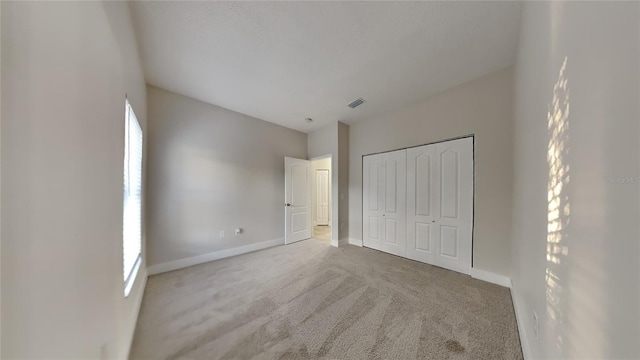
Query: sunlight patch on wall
x=558, y=204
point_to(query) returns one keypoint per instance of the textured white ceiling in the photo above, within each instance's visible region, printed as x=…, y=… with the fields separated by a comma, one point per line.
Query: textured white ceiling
x=286, y=61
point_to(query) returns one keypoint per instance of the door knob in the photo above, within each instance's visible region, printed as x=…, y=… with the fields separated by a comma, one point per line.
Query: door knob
x=287, y=204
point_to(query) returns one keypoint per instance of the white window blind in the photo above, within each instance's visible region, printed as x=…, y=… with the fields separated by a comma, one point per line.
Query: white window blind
x=132, y=212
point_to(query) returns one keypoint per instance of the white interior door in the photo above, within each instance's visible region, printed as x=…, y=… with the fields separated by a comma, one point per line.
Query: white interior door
x=372, y=202
x=395, y=202
x=322, y=197
x=297, y=186
x=422, y=203
x=455, y=210
x=384, y=202
x=440, y=204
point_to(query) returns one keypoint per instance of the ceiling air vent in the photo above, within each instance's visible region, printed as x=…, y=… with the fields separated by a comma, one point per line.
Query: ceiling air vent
x=355, y=103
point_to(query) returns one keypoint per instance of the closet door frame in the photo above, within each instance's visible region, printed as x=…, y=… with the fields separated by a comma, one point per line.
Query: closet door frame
x=473, y=193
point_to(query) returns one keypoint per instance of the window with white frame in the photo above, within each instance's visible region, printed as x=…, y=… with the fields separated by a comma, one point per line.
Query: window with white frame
x=132, y=212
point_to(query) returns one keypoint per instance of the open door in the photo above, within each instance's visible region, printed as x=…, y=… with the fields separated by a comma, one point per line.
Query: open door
x=297, y=199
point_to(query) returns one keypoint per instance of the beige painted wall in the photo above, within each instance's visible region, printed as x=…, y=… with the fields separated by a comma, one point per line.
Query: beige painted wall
x=482, y=107
x=577, y=264
x=343, y=180
x=212, y=169
x=63, y=92
x=323, y=141
x=324, y=163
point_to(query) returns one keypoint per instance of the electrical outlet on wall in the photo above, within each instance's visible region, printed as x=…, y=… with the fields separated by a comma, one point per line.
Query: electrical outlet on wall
x=222, y=234
x=535, y=324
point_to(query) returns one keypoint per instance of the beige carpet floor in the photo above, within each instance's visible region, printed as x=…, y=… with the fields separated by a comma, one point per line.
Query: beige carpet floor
x=310, y=301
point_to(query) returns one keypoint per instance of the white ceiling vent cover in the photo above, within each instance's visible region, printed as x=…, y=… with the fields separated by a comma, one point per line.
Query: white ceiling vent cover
x=355, y=103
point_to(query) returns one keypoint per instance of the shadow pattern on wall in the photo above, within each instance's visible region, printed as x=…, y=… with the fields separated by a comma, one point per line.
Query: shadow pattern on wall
x=558, y=207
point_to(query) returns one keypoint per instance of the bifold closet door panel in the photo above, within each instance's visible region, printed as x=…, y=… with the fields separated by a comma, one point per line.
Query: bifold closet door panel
x=384, y=202
x=395, y=202
x=422, y=203
x=455, y=208
x=373, y=201
x=440, y=204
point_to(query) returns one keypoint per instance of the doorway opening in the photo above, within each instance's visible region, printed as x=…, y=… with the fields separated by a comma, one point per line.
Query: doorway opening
x=321, y=198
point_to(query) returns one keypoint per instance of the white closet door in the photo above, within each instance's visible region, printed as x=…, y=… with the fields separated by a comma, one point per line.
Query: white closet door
x=422, y=203
x=455, y=175
x=440, y=204
x=395, y=202
x=418, y=203
x=372, y=201
x=384, y=202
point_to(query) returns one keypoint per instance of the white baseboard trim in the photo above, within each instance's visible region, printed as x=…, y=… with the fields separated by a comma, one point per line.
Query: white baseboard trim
x=517, y=308
x=356, y=242
x=490, y=277
x=524, y=340
x=220, y=254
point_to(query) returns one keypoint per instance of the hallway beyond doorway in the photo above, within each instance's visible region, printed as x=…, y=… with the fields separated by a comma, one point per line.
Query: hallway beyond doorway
x=322, y=232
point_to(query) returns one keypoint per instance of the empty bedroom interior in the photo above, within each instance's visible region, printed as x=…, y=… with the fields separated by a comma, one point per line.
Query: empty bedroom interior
x=305, y=180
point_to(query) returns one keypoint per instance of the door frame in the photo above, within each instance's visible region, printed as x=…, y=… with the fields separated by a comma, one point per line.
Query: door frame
x=333, y=215
x=473, y=192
